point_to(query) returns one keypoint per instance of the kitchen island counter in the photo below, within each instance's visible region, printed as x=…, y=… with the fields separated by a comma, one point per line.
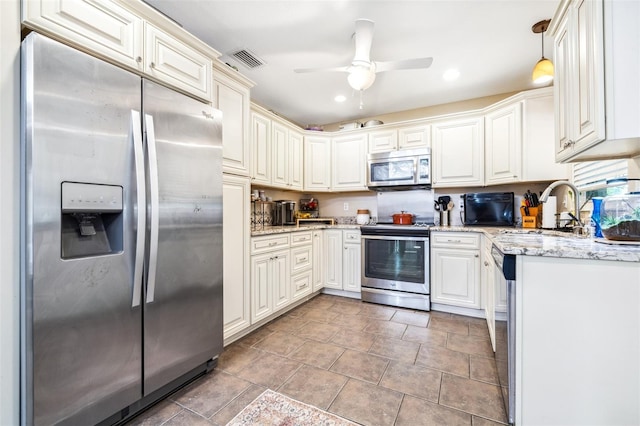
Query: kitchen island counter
x=549, y=243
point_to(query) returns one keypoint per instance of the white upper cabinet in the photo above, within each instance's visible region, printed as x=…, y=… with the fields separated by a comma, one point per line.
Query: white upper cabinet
x=172, y=61
x=503, y=144
x=296, y=160
x=408, y=137
x=596, y=45
x=349, y=163
x=383, y=140
x=232, y=98
x=130, y=34
x=458, y=152
x=260, y=149
x=279, y=154
x=102, y=26
x=414, y=137
x=317, y=163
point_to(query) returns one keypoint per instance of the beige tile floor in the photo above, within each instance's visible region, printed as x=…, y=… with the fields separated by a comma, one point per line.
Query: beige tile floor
x=372, y=364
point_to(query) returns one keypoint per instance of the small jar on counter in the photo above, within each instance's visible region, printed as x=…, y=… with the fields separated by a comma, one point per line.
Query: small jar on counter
x=362, y=217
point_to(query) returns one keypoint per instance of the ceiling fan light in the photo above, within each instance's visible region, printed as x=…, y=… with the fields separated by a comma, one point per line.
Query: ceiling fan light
x=361, y=78
x=543, y=71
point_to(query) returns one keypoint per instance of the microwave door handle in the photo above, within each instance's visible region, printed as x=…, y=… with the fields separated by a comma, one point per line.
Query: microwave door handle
x=416, y=175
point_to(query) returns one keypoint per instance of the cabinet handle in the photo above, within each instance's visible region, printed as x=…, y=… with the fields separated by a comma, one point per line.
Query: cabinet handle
x=301, y=286
x=275, y=257
x=272, y=244
x=454, y=241
x=139, y=59
x=152, y=64
x=303, y=259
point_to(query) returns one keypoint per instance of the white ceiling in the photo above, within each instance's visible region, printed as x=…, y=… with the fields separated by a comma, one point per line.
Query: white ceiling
x=489, y=41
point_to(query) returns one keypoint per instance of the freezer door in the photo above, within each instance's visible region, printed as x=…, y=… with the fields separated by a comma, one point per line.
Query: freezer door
x=183, y=297
x=81, y=339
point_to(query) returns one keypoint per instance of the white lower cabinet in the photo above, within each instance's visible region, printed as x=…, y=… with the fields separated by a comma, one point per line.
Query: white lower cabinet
x=455, y=269
x=270, y=279
x=236, y=294
x=318, y=258
x=489, y=289
x=343, y=259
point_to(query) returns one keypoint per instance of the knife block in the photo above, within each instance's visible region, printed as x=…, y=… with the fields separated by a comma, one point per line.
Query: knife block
x=532, y=220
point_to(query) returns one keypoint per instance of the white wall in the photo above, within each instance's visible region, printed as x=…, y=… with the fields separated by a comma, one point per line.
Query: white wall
x=9, y=210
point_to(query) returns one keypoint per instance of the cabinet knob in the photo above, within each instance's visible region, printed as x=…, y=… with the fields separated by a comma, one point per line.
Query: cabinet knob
x=152, y=64
x=486, y=263
x=139, y=59
x=476, y=255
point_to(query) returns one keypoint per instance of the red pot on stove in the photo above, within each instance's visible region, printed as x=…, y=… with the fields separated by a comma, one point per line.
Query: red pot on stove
x=402, y=218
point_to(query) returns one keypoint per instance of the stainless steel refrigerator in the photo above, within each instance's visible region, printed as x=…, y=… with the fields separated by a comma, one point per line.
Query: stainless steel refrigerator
x=122, y=238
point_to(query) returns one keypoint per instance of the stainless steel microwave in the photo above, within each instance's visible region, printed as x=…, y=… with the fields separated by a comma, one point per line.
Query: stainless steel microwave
x=411, y=168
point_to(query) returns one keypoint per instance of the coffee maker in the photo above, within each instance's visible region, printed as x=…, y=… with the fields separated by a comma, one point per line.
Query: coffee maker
x=284, y=212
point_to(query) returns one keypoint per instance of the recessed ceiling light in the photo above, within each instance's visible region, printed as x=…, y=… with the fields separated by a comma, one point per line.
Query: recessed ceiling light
x=451, y=75
x=340, y=98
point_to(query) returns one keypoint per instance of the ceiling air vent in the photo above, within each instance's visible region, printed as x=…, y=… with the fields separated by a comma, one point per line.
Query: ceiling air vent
x=247, y=58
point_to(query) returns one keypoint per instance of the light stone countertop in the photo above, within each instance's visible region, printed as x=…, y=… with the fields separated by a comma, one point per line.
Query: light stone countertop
x=517, y=241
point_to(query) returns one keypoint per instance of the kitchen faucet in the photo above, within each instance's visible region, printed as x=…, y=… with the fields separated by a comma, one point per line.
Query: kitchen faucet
x=576, y=197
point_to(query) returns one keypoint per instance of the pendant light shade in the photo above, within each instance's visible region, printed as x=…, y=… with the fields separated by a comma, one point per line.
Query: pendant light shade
x=543, y=71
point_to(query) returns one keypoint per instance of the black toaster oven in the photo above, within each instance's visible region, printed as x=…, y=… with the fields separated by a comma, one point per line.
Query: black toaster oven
x=488, y=209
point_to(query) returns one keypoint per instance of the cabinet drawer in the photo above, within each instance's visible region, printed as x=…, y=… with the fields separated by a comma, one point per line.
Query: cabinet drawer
x=301, y=285
x=300, y=259
x=351, y=237
x=463, y=240
x=264, y=244
x=300, y=238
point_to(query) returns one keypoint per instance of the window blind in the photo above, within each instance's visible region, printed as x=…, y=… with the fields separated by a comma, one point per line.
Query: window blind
x=591, y=175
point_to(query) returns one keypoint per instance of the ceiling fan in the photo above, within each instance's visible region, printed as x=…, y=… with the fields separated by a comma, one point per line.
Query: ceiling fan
x=362, y=71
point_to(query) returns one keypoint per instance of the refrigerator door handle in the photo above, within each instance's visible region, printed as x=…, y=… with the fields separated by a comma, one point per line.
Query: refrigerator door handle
x=136, y=137
x=155, y=205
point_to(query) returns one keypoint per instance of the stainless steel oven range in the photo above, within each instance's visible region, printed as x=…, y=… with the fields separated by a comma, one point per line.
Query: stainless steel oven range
x=395, y=265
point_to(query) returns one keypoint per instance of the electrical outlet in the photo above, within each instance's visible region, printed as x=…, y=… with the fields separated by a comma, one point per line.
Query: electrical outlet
x=461, y=203
x=346, y=206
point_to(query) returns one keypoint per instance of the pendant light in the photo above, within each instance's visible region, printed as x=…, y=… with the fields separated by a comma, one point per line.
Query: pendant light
x=543, y=71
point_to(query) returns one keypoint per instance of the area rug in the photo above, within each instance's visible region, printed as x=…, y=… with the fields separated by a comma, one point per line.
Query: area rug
x=273, y=408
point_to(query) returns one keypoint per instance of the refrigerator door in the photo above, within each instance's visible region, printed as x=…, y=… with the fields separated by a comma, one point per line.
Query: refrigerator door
x=81, y=337
x=183, y=298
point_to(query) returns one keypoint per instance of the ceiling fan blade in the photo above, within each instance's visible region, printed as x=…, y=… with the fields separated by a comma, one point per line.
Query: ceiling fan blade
x=406, y=64
x=332, y=69
x=364, y=38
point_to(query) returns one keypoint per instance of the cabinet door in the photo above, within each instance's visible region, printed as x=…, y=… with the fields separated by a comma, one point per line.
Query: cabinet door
x=455, y=277
x=383, y=140
x=279, y=155
x=589, y=75
x=261, y=291
x=503, y=145
x=333, y=259
x=348, y=160
x=562, y=85
x=318, y=260
x=458, y=153
x=415, y=137
x=296, y=160
x=351, y=267
x=170, y=60
x=101, y=26
x=260, y=148
x=233, y=100
x=236, y=280
x=280, y=280
x=317, y=163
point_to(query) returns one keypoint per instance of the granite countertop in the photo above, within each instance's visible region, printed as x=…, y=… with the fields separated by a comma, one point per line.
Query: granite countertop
x=269, y=230
x=517, y=241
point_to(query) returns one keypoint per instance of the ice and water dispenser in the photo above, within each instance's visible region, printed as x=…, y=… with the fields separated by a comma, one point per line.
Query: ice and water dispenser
x=92, y=222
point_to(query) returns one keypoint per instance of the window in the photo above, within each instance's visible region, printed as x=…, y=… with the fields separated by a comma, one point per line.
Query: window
x=590, y=177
